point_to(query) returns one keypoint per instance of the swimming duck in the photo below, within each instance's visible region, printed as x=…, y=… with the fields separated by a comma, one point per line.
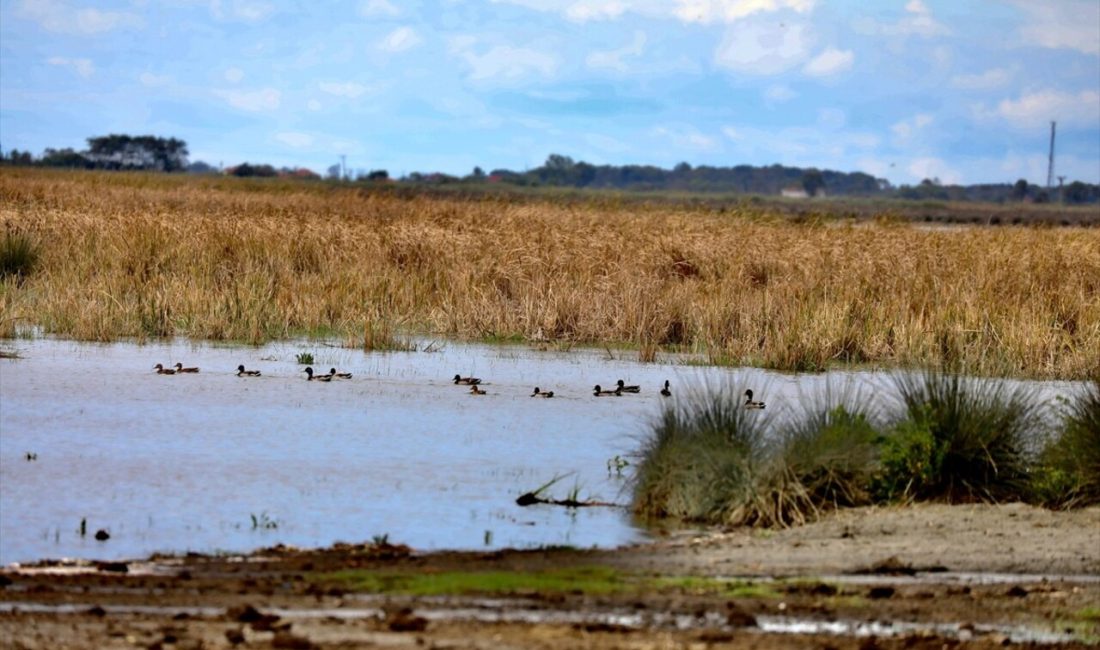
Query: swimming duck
x=161, y=370
x=339, y=375
x=602, y=393
x=749, y=404
x=474, y=390
x=310, y=376
x=180, y=368
x=539, y=393
x=241, y=372
x=629, y=389
x=467, y=381
x=665, y=391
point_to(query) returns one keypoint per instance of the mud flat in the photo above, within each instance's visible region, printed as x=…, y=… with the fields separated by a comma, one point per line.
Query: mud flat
x=925, y=576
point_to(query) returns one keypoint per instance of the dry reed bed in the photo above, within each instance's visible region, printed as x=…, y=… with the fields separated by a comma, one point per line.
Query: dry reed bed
x=139, y=256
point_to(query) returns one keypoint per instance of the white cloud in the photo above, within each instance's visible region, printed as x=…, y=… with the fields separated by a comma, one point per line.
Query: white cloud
x=779, y=93
x=503, y=62
x=152, y=80
x=348, y=89
x=1065, y=24
x=264, y=99
x=918, y=21
x=400, y=39
x=614, y=59
x=686, y=137
x=371, y=8
x=932, y=168
x=831, y=118
x=732, y=133
x=606, y=143
x=57, y=16
x=252, y=11
x=296, y=140
x=1037, y=109
x=710, y=11
x=905, y=130
x=82, y=67
x=829, y=62
x=234, y=74
x=992, y=78
x=762, y=48
x=313, y=105
x=585, y=10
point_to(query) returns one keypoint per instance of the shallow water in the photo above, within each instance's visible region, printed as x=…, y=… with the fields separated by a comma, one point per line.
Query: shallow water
x=183, y=463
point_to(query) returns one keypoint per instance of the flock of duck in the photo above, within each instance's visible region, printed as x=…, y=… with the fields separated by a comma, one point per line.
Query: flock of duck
x=459, y=380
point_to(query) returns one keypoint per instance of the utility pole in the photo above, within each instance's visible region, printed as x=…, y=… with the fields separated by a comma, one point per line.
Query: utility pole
x=1050, y=160
x=344, y=168
x=1061, y=195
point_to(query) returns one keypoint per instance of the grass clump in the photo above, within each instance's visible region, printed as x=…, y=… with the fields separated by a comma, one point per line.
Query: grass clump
x=959, y=439
x=700, y=462
x=1069, y=471
x=826, y=459
x=19, y=254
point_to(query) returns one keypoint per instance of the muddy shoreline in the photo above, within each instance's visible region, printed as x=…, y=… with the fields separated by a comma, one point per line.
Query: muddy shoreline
x=922, y=576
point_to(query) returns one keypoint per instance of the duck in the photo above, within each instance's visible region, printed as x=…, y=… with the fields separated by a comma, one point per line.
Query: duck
x=628, y=389
x=474, y=390
x=339, y=375
x=161, y=370
x=749, y=403
x=603, y=393
x=539, y=393
x=467, y=381
x=180, y=368
x=665, y=391
x=241, y=372
x=310, y=376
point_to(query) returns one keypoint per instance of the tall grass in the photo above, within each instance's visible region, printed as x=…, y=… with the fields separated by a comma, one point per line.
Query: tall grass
x=1069, y=474
x=700, y=462
x=134, y=255
x=18, y=254
x=962, y=438
x=948, y=438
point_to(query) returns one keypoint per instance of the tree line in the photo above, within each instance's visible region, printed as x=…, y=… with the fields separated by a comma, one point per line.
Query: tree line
x=152, y=153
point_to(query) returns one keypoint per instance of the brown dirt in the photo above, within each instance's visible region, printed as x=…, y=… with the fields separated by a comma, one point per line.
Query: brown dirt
x=281, y=598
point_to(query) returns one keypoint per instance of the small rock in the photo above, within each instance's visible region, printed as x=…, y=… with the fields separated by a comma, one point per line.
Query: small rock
x=1016, y=592
x=880, y=592
x=284, y=639
x=96, y=610
x=234, y=636
x=404, y=620
x=738, y=617
x=113, y=567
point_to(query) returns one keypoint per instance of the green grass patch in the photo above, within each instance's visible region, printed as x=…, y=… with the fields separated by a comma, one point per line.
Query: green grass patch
x=729, y=588
x=589, y=580
x=19, y=254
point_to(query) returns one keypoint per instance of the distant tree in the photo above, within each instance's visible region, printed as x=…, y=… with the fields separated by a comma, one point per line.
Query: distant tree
x=199, y=167
x=1078, y=192
x=333, y=172
x=812, y=181
x=682, y=168
x=63, y=158
x=478, y=174
x=119, y=151
x=378, y=175
x=1019, y=190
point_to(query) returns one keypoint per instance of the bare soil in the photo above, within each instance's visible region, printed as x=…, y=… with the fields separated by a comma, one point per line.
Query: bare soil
x=925, y=576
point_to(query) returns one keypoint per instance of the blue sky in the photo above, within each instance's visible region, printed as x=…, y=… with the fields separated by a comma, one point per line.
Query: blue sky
x=960, y=90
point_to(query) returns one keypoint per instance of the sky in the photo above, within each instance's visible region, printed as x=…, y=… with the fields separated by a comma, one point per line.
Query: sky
x=963, y=91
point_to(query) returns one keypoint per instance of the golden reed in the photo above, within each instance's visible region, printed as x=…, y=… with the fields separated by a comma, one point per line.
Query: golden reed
x=133, y=255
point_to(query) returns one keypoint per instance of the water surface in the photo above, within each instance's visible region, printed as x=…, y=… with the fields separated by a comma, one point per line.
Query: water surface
x=186, y=462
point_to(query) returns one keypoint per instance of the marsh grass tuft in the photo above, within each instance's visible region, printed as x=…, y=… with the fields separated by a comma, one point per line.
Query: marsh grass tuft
x=19, y=254
x=1069, y=472
x=960, y=438
x=380, y=336
x=701, y=458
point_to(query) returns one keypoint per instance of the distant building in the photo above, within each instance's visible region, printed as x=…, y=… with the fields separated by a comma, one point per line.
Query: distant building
x=794, y=192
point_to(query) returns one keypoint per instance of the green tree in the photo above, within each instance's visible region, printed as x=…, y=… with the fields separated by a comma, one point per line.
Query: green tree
x=813, y=181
